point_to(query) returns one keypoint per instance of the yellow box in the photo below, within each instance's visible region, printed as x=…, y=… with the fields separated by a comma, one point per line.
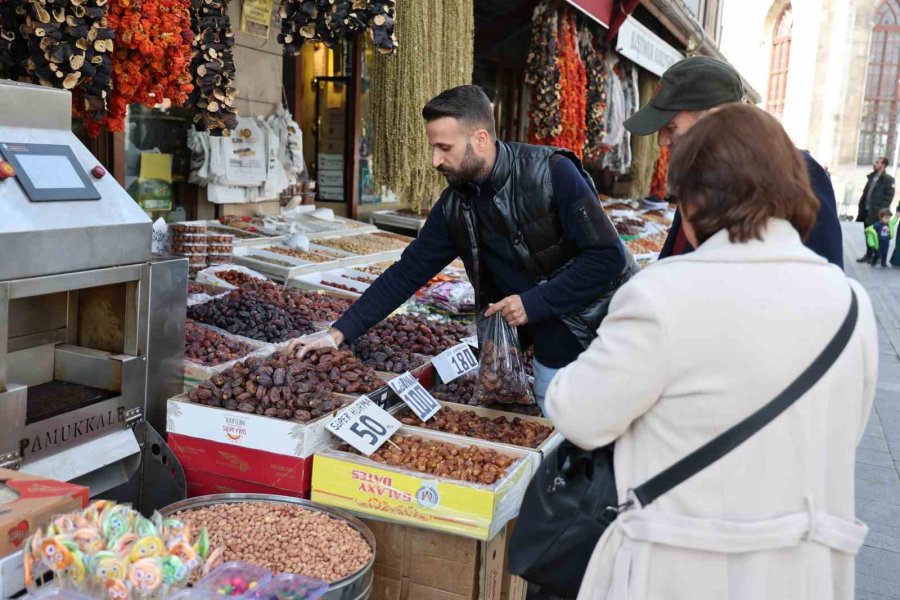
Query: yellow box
x=363, y=486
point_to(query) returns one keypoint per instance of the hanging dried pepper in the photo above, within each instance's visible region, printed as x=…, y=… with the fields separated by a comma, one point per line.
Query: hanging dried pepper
x=543, y=75
x=659, y=185
x=595, y=67
x=212, y=68
x=573, y=99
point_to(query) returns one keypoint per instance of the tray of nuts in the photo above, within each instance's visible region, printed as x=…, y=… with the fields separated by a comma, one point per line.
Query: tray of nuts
x=429, y=479
x=369, y=244
x=509, y=429
x=287, y=535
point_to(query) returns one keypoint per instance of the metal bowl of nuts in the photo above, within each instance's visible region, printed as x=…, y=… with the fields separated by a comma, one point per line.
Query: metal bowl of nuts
x=287, y=535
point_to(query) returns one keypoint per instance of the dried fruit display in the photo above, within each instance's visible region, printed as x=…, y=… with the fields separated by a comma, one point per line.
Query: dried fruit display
x=387, y=357
x=205, y=288
x=237, y=278
x=206, y=347
x=646, y=245
x=517, y=432
x=595, y=68
x=249, y=316
x=377, y=268
x=419, y=335
x=306, y=305
x=500, y=376
x=283, y=538
x=329, y=21
x=273, y=261
x=364, y=244
x=362, y=279
x=313, y=256
x=244, y=235
x=543, y=74
x=212, y=68
x=462, y=391
x=472, y=464
x=659, y=185
x=339, y=286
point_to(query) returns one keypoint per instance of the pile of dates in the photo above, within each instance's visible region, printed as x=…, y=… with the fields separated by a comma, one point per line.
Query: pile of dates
x=501, y=376
x=306, y=305
x=517, y=432
x=275, y=386
x=237, y=278
x=388, y=358
x=204, y=346
x=249, y=316
x=419, y=335
x=473, y=464
x=462, y=391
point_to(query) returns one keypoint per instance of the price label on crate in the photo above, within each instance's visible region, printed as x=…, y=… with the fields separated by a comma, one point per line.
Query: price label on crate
x=455, y=362
x=416, y=397
x=364, y=425
x=471, y=340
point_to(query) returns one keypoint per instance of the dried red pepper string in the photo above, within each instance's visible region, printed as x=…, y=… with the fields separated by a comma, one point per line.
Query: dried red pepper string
x=659, y=185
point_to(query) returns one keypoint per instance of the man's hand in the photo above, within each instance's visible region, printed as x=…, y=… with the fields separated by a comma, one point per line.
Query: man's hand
x=330, y=338
x=511, y=309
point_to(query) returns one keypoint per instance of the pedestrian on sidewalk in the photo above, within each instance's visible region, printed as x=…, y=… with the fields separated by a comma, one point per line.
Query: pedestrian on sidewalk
x=879, y=236
x=695, y=344
x=688, y=91
x=877, y=195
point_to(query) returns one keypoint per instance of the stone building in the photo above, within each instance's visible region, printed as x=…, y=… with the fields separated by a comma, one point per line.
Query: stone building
x=829, y=70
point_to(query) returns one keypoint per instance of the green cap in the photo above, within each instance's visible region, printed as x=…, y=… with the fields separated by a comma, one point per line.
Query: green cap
x=695, y=83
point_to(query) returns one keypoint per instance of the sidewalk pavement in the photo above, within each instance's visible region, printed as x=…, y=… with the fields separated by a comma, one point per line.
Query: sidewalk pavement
x=878, y=455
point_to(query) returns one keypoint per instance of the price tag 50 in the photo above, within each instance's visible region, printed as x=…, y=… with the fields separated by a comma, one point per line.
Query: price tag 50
x=455, y=362
x=415, y=396
x=364, y=425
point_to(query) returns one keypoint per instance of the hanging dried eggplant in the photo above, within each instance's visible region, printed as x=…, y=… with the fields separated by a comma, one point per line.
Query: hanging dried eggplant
x=543, y=74
x=212, y=68
x=329, y=21
x=594, y=59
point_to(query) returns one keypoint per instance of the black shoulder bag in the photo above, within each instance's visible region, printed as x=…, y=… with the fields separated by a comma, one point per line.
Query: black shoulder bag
x=572, y=498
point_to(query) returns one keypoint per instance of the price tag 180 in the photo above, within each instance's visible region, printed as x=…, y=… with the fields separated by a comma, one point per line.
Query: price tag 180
x=364, y=425
x=455, y=362
x=416, y=397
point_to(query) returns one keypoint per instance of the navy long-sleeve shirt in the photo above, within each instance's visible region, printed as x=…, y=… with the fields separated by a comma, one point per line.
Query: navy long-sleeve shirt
x=600, y=257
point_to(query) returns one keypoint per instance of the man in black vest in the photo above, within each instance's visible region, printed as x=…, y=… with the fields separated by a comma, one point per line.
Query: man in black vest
x=878, y=194
x=526, y=222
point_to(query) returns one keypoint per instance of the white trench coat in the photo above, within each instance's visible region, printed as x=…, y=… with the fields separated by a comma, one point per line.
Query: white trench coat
x=691, y=346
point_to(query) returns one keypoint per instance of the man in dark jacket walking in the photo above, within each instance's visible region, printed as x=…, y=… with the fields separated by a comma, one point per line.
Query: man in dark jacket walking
x=689, y=89
x=877, y=195
x=528, y=225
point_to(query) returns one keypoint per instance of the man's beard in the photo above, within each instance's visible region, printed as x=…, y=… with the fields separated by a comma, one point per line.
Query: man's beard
x=471, y=169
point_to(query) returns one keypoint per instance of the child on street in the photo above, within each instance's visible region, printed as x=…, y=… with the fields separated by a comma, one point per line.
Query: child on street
x=879, y=236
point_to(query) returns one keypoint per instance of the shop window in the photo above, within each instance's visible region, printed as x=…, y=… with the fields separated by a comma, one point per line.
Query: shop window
x=780, y=63
x=879, y=118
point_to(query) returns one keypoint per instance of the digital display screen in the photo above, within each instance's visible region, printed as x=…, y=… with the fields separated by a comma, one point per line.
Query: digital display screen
x=50, y=171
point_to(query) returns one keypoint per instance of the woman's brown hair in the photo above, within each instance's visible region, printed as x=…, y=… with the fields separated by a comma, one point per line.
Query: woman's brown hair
x=735, y=169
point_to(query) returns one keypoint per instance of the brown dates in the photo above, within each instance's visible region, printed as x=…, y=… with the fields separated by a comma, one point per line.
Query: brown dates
x=517, y=432
x=206, y=347
x=419, y=335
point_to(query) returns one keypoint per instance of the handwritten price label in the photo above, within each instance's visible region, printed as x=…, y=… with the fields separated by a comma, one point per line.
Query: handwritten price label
x=415, y=396
x=364, y=425
x=455, y=362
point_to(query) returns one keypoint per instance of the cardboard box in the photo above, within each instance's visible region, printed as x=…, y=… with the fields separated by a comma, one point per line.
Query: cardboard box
x=363, y=486
x=203, y=483
x=417, y=564
x=32, y=503
x=215, y=464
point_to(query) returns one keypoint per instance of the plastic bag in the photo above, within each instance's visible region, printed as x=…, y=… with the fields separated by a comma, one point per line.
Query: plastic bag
x=501, y=373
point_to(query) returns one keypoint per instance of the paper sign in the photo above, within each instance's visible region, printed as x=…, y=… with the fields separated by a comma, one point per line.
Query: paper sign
x=455, y=362
x=256, y=17
x=471, y=340
x=364, y=425
x=416, y=397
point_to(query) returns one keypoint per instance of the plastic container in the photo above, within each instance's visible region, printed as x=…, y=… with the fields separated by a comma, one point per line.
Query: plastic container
x=219, y=259
x=196, y=258
x=177, y=228
x=183, y=248
x=220, y=238
x=195, y=594
x=187, y=238
x=291, y=587
x=57, y=593
x=220, y=248
x=235, y=580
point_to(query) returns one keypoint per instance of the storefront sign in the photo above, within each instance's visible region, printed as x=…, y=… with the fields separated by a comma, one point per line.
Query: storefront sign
x=256, y=17
x=455, y=362
x=599, y=10
x=415, y=396
x=364, y=425
x=645, y=47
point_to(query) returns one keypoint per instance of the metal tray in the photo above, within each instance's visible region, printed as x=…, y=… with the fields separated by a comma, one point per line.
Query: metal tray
x=355, y=587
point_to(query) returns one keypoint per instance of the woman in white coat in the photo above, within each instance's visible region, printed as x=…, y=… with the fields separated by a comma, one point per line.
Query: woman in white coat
x=696, y=343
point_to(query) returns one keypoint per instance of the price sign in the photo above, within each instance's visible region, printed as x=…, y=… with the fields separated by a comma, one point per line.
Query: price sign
x=455, y=362
x=416, y=397
x=472, y=341
x=364, y=425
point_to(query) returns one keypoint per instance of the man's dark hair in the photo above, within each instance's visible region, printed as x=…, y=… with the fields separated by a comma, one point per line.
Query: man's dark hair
x=885, y=161
x=468, y=104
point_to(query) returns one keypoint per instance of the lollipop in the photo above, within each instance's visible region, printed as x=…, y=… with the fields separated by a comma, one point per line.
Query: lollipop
x=117, y=521
x=124, y=544
x=55, y=554
x=87, y=539
x=76, y=570
x=145, y=575
x=146, y=548
x=174, y=570
x=116, y=589
x=143, y=527
x=108, y=565
x=202, y=545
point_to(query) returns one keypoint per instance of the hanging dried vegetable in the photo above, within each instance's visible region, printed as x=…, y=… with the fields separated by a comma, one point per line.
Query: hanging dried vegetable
x=659, y=185
x=329, y=21
x=595, y=68
x=543, y=74
x=212, y=68
x=151, y=58
x=573, y=97
x=437, y=38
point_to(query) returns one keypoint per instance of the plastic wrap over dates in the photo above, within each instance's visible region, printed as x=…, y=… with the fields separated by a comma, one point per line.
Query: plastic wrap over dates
x=517, y=432
x=204, y=346
x=419, y=335
x=463, y=463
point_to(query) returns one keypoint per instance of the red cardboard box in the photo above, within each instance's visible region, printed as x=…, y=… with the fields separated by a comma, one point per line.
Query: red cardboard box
x=203, y=483
x=279, y=473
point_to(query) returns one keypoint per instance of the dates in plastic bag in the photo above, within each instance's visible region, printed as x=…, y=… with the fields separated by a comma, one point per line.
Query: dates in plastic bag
x=501, y=373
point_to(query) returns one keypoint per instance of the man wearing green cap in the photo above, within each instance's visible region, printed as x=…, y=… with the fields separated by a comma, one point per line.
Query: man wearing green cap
x=688, y=90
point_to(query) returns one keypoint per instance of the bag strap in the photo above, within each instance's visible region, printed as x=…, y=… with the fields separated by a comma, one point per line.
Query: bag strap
x=727, y=441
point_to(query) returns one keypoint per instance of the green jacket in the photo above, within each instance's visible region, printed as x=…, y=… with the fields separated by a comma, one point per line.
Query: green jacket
x=872, y=235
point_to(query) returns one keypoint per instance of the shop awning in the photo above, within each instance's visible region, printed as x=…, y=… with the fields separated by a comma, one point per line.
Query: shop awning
x=599, y=10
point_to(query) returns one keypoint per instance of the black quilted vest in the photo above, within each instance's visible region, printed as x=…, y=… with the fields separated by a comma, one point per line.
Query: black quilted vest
x=524, y=197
